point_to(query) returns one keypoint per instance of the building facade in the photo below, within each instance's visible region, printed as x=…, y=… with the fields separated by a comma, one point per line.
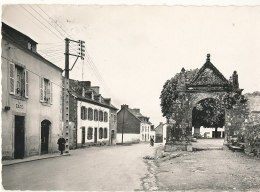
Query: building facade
x=132, y=126
x=92, y=120
x=31, y=98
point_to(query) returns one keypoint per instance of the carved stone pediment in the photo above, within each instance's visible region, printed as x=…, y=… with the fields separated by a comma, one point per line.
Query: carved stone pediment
x=208, y=77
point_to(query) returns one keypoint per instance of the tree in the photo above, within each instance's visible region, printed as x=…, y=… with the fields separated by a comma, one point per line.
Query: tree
x=168, y=96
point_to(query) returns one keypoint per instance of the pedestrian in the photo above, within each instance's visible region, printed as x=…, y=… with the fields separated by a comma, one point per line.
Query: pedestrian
x=151, y=141
x=61, y=142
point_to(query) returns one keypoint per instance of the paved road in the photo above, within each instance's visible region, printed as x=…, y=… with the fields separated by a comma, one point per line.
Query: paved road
x=97, y=168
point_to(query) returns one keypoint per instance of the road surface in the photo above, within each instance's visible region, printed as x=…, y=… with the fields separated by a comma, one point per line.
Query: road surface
x=96, y=168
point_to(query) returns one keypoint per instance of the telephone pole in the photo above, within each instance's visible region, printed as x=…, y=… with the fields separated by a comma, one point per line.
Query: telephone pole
x=80, y=54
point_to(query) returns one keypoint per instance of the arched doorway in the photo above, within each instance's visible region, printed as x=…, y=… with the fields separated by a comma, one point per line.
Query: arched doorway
x=209, y=114
x=45, y=131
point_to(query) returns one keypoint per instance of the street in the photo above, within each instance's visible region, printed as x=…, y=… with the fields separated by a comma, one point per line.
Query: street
x=96, y=168
x=124, y=168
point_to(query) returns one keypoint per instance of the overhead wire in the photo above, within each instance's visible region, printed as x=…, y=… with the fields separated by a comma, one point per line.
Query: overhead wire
x=41, y=22
x=46, y=20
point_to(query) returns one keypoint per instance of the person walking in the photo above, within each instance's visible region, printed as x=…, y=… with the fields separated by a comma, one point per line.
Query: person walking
x=151, y=141
x=61, y=142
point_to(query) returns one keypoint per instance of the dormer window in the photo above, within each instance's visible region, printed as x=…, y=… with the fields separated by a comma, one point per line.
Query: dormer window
x=29, y=46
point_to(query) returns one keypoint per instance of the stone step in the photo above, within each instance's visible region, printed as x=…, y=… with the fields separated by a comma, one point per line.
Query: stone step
x=206, y=148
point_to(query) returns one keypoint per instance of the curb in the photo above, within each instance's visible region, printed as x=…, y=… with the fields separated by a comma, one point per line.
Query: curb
x=29, y=160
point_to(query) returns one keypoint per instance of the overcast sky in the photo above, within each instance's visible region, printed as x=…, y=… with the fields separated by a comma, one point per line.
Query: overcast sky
x=137, y=48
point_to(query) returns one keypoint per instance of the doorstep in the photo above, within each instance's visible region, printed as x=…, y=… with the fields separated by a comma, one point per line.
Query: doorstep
x=32, y=158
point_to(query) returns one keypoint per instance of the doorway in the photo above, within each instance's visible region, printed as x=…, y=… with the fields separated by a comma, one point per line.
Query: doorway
x=83, y=133
x=19, y=137
x=45, y=129
x=95, y=136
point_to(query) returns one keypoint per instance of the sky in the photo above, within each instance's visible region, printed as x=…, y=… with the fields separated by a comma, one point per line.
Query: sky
x=135, y=49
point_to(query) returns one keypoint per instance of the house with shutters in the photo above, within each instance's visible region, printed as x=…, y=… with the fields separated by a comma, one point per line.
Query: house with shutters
x=132, y=126
x=31, y=98
x=92, y=118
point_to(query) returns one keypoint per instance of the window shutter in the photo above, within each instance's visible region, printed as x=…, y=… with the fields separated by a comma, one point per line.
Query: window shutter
x=41, y=89
x=26, y=84
x=86, y=114
x=51, y=93
x=12, y=85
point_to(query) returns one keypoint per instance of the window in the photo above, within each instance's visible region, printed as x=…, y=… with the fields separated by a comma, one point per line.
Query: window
x=19, y=80
x=100, y=133
x=83, y=113
x=90, y=133
x=101, y=118
x=105, y=116
x=90, y=114
x=105, y=133
x=115, y=117
x=45, y=90
x=96, y=115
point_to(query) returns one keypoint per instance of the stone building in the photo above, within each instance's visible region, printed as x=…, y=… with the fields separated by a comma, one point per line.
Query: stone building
x=132, y=126
x=31, y=98
x=92, y=117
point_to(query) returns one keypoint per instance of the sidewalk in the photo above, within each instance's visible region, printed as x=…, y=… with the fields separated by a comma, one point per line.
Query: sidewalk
x=33, y=158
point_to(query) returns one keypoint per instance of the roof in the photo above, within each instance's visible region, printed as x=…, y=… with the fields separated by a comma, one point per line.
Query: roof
x=138, y=115
x=76, y=91
x=11, y=34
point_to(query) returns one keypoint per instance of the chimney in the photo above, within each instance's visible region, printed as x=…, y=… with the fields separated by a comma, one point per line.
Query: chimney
x=124, y=106
x=96, y=89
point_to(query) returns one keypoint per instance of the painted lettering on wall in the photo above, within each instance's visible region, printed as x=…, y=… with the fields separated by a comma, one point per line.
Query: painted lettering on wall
x=20, y=106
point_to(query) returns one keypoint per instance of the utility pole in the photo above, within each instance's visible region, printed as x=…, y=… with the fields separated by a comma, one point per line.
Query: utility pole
x=81, y=54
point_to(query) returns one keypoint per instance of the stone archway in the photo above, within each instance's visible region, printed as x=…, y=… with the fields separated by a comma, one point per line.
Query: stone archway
x=208, y=115
x=182, y=93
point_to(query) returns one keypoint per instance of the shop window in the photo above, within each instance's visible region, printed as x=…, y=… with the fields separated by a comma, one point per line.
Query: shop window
x=90, y=133
x=19, y=80
x=100, y=133
x=105, y=133
x=96, y=115
x=105, y=116
x=90, y=114
x=101, y=117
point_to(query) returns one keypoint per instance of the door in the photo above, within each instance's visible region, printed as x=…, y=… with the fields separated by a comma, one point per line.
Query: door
x=19, y=137
x=95, y=136
x=45, y=127
x=83, y=135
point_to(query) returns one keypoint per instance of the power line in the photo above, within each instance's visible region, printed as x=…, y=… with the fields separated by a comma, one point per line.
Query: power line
x=46, y=20
x=40, y=22
x=53, y=21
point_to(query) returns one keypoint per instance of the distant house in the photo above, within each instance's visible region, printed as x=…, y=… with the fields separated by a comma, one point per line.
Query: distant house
x=132, y=126
x=161, y=133
x=31, y=98
x=92, y=117
x=253, y=107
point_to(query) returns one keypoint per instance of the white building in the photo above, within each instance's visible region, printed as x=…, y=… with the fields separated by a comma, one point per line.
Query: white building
x=31, y=98
x=209, y=132
x=92, y=117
